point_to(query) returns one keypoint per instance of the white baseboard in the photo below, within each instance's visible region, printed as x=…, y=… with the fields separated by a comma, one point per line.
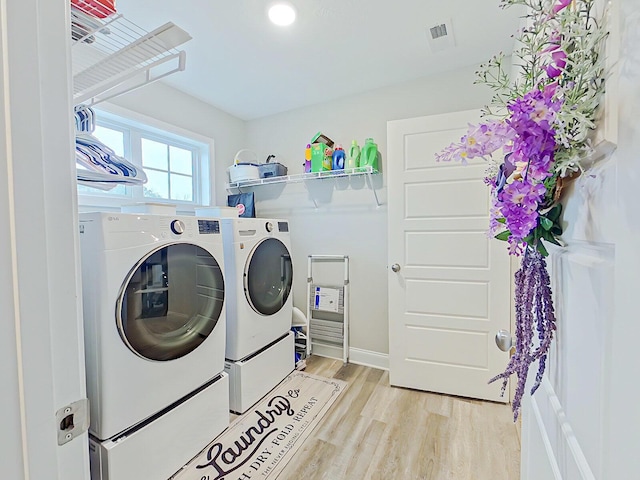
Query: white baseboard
x=369, y=358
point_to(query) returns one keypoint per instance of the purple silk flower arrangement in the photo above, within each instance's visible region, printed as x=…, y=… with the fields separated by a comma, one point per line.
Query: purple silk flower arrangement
x=538, y=136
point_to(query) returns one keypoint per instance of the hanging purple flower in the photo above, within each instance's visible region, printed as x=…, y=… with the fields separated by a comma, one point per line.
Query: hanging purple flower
x=534, y=314
x=553, y=59
x=537, y=106
x=455, y=151
x=519, y=206
x=480, y=141
x=541, y=168
x=558, y=62
x=494, y=225
x=560, y=5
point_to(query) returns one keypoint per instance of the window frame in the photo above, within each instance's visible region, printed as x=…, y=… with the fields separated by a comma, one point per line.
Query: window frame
x=136, y=126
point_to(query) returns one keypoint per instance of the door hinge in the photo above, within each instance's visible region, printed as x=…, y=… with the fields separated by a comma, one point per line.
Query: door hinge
x=72, y=420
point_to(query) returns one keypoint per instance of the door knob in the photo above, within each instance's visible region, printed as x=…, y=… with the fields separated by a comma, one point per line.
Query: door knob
x=395, y=267
x=504, y=340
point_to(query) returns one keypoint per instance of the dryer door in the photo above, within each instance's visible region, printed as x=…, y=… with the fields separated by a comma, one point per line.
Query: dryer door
x=170, y=302
x=268, y=276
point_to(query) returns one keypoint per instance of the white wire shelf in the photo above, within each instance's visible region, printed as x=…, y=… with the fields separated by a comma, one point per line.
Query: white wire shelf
x=301, y=177
x=112, y=55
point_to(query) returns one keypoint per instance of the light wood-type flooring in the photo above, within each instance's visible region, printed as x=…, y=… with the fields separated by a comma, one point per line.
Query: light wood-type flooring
x=375, y=431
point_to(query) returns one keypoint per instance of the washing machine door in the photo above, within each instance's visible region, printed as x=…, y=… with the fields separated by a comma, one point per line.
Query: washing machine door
x=268, y=276
x=170, y=302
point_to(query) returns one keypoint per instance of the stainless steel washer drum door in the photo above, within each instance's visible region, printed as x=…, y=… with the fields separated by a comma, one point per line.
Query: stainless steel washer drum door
x=268, y=277
x=170, y=302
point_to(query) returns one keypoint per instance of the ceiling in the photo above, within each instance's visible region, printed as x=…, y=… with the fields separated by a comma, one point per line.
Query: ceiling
x=241, y=63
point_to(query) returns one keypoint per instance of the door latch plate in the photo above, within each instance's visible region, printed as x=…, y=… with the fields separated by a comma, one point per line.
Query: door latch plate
x=72, y=420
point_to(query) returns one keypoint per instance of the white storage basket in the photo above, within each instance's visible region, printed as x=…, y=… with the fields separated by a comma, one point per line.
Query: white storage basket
x=245, y=167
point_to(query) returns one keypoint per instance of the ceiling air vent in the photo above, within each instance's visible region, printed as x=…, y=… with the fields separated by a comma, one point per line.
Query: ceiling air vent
x=438, y=31
x=440, y=36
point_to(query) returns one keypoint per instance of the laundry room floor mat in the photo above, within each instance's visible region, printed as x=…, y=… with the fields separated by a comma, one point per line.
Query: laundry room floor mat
x=259, y=444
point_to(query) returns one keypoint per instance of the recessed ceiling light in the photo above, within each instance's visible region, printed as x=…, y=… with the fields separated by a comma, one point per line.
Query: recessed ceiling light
x=282, y=14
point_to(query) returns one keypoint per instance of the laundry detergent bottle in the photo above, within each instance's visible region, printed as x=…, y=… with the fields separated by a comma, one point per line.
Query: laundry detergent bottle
x=339, y=158
x=307, y=159
x=353, y=159
x=369, y=154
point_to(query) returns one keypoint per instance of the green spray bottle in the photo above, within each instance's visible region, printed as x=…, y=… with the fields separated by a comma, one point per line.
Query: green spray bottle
x=353, y=159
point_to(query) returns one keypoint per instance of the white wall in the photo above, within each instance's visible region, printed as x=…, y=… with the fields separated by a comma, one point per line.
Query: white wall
x=171, y=106
x=347, y=220
x=622, y=425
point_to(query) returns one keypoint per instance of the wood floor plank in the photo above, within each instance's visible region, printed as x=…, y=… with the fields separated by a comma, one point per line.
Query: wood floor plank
x=378, y=432
x=381, y=401
x=347, y=408
x=323, y=366
x=348, y=443
x=439, y=403
x=433, y=448
x=364, y=450
x=483, y=444
x=311, y=461
x=399, y=450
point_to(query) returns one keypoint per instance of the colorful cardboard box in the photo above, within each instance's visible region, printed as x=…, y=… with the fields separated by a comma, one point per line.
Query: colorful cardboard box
x=321, y=153
x=321, y=156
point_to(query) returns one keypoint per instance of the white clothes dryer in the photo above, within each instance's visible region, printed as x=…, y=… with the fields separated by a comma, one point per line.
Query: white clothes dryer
x=259, y=346
x=259, y=282
x=155, y=323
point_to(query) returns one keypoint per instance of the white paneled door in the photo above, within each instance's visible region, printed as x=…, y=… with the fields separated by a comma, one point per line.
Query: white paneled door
x=449, y=284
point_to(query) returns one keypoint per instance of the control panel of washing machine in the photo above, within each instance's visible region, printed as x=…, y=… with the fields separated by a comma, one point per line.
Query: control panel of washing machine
x=208, y=227
x=282, y=227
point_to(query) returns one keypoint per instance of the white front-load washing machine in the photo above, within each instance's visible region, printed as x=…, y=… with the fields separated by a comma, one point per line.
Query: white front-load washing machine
x=259, y=344
x=155, y=323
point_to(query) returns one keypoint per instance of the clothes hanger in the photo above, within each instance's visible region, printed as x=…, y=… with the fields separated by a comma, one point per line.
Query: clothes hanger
x=97, y=157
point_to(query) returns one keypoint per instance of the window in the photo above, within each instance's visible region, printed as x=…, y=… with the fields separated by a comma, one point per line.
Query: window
x=176, y=165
